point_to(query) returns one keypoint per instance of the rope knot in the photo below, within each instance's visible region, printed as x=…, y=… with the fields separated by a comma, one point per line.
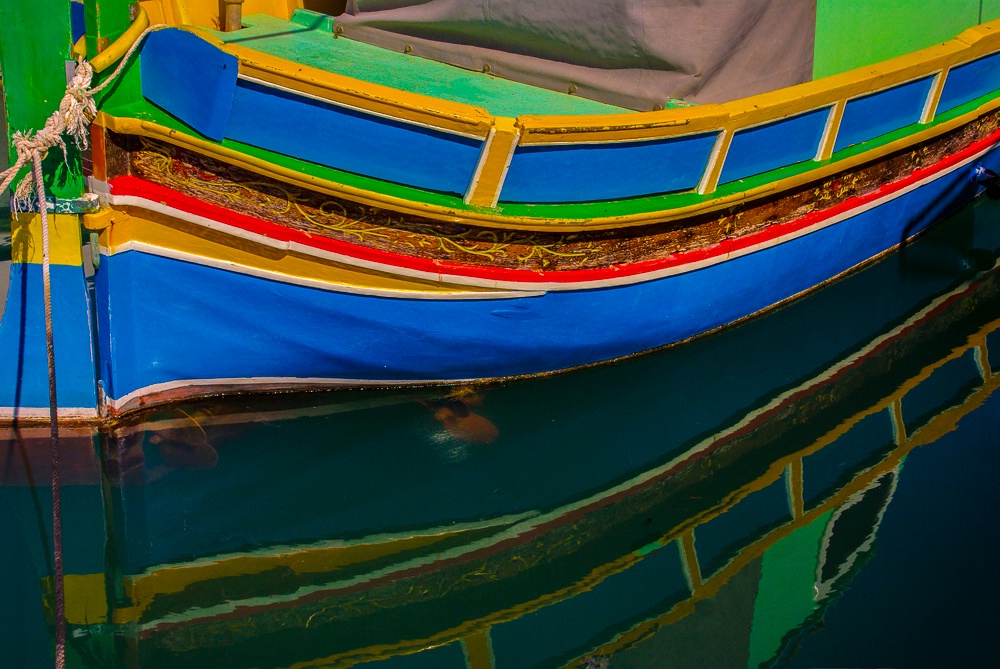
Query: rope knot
x=76, y=111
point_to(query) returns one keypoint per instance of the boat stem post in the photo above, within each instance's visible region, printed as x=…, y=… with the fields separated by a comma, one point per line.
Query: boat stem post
x=232, y=15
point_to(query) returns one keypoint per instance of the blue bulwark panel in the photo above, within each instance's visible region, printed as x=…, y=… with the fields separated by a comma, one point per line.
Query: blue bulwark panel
x=350, y=140
x=189, y=79
x=767, y=147
x=593, y=172
x=876, y=114
x=970, y=81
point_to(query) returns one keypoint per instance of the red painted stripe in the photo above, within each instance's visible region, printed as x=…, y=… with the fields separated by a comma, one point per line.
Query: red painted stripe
x=130, y=185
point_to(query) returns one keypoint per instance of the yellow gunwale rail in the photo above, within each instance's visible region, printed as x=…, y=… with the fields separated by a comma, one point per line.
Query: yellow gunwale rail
x=723, y=119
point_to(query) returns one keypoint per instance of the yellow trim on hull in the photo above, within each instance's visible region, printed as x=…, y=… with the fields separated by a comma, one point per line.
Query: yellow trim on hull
x=493, y=164
x=144, y=588
x=65, y=241
x=133, y=224
x=205, y=13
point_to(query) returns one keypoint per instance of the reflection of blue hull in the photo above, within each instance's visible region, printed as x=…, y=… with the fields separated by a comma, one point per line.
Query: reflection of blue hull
x=165, y=323
x=560, y=439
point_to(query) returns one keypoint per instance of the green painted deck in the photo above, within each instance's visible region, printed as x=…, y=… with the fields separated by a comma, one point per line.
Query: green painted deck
x=315, y=45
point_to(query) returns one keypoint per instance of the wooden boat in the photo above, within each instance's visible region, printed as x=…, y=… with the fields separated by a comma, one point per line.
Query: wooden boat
x=283, y=206
x=461, y=561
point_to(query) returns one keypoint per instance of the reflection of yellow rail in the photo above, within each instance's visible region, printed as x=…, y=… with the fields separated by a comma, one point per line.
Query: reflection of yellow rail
x=475, y=633
x=791, y=467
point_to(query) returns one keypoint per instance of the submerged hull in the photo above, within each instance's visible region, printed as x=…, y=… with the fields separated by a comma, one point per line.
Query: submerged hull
x=271, y=219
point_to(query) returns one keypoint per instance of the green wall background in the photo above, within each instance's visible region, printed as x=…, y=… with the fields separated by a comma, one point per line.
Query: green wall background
x=853, y=33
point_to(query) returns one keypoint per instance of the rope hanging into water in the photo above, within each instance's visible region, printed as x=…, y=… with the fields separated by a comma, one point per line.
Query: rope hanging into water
x=73, y=117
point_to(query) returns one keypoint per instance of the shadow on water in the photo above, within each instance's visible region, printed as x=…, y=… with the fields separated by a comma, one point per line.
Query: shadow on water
x=704, y=506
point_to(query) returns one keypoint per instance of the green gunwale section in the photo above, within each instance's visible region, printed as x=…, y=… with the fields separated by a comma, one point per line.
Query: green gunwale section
x=311, y=42
x=126, y=101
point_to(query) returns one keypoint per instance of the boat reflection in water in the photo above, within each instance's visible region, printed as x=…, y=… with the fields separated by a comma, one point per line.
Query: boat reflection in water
x=696, y=507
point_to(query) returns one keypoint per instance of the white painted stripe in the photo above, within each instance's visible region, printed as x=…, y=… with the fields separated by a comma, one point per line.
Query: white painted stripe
x=63, y=413
x=549, y=286
x=362, y=110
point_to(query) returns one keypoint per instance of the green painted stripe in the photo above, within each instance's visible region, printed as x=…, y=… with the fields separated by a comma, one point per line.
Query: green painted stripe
x=318, y=48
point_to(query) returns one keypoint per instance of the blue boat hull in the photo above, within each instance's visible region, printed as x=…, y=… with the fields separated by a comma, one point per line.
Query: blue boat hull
x=165, y=324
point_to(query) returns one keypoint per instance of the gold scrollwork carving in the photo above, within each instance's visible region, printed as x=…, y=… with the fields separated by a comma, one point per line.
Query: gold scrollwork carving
x=288, y=205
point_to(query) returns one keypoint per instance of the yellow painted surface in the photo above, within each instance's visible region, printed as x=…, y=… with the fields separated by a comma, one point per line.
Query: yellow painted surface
x=86, y=598
x=499, y=149
x=64, y=239
x=205, y=13
x=478, y=654
x=168, y=233
x=621, y=127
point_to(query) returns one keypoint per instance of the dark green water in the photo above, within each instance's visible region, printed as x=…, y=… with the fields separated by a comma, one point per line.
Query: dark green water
x=814, y=488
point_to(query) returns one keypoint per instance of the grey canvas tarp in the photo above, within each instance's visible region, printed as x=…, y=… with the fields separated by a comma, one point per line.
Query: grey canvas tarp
x=633, y=53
